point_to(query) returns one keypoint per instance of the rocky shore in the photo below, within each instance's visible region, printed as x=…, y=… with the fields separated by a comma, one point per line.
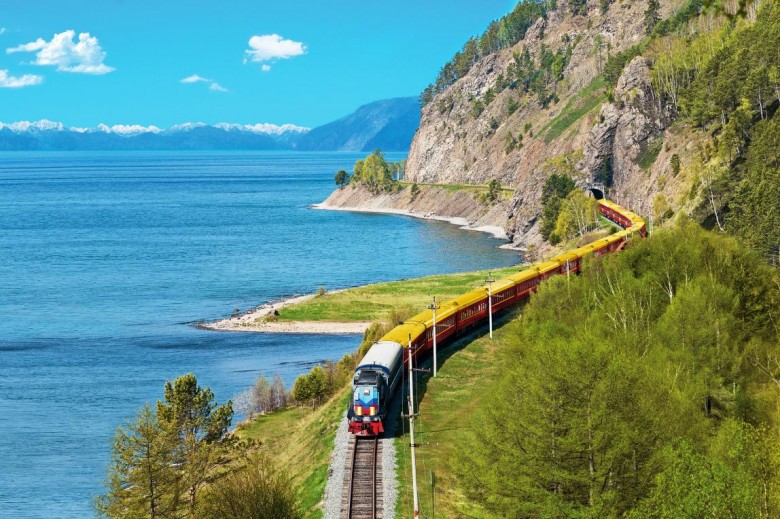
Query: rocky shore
x=459, y=208
x=263, y=319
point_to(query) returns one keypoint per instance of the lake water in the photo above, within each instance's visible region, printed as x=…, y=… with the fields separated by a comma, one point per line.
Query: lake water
x=105, y=258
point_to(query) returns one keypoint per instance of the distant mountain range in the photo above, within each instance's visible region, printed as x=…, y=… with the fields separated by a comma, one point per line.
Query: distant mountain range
x=388, y=124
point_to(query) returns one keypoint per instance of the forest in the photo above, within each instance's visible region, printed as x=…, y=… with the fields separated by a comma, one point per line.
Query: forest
x=646, y=387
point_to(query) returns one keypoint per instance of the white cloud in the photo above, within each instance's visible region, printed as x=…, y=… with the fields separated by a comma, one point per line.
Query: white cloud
x=268, y=47
x=2, y=30
x=84, y=56
x=266, y=67
x=7, y=81
x=213, y=85
x=194, y=79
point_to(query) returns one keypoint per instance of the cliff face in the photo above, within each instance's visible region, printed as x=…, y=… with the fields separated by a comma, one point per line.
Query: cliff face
x=515, y=139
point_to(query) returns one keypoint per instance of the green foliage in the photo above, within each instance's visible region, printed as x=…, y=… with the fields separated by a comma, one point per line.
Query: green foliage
x=577, y=216
x=755, y=207
x=674, y=162
x=647, y=156
x=376, y=173
x=540, y=79
x=615, y=64
x=257, y=490
x=477, y=107
x=587, y=100
x=692, y=484
x=322, y=381
x=190, y=414
x=164, y=455
x=679, y=18
x=500, y=34
x=631, y=389
x=512, y=143
x=445, y=104
x=512, y=106
x=579, y=7
x=555, y=189
x=493, y=192
x=342, y=178
x=142, y=480
x=652, y=15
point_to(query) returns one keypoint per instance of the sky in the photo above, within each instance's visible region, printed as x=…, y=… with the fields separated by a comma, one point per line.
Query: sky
x=165, y=62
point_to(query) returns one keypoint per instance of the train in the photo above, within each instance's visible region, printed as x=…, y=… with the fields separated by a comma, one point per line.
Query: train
x=378, y=374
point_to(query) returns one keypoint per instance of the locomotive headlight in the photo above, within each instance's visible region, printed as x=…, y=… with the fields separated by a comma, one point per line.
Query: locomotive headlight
x=372, y=410
x=359, y=410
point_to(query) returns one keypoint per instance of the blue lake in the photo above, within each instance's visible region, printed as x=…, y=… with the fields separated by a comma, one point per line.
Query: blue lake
x=106, y=257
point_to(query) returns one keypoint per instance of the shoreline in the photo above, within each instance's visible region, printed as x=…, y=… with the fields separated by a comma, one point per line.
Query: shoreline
x=462, y=223
x=256, y=320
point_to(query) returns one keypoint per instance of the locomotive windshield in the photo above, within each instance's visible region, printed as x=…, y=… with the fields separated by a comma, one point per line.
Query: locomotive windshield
x=366, y=395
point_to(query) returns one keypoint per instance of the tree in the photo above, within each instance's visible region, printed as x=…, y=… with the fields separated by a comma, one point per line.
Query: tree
x=142, y=481
x=577, y=215
x=279, y=395
x=493, y=192
x=310, y=388
x=374, y=172
x=556, y=188
x=693, y=485
x=342, y=178
x=190, y=415
x=261, y=395
x=652, y=15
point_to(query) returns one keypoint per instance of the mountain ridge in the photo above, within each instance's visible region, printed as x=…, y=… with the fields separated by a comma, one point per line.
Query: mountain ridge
x=388, y=124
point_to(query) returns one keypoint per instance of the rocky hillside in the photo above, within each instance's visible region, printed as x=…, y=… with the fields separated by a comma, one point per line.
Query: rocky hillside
x=656, y=103
x=515, y=137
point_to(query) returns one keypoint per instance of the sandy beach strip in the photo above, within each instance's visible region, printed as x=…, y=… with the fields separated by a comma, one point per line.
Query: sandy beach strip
x=260, y=320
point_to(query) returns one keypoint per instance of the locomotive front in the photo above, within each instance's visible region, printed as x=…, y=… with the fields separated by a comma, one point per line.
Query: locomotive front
x=372, y=388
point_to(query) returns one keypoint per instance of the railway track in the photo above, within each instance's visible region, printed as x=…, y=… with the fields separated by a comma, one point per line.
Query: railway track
x=364, y=480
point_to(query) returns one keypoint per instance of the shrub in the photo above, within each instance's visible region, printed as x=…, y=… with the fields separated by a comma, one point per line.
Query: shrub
x=675, y=163
x=255, y=491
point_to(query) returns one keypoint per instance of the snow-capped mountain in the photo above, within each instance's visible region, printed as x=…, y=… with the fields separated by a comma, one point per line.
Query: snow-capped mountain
x=388, y=124
x=49, y=135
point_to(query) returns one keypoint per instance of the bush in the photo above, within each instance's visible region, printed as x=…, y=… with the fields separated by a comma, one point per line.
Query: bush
x=675, y=163
x=258, y=490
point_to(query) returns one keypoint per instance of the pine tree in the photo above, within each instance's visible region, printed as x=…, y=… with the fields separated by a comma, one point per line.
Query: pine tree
x=190, y=414
x=652, y=15
x=142, y=481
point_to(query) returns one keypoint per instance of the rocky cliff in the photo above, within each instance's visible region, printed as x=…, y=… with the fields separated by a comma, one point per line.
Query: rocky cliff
x=597, y=130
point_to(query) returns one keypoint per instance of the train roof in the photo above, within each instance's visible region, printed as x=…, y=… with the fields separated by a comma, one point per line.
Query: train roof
x=401, y=333
x=383, y=353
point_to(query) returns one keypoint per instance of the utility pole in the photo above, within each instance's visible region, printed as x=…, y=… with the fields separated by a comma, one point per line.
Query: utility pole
x=489, y=282
x=411, y=431
x=434, y=307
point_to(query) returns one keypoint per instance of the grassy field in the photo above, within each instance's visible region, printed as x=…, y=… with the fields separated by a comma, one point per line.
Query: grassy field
x=301, y=441
x=586, y=100
x=373, y=302
x=448, y=406
x=476, y=189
